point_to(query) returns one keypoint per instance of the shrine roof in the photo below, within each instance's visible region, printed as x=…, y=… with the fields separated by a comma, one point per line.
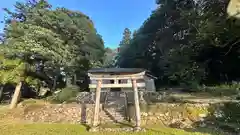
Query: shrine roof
x=119, y=71
x=116, y=70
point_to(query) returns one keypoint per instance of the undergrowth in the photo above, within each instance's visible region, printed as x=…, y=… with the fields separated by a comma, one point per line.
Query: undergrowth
x=226, y=89
x=67, y=95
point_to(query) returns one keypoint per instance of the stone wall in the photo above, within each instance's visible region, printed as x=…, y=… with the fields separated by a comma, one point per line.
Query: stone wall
x=59, y=113
x=180, y=115
x=169, y=114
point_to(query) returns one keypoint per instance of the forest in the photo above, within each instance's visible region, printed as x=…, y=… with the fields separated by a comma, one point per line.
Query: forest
x=187, y=43
x=183, y=43
x=46, y=52
x=42, y=47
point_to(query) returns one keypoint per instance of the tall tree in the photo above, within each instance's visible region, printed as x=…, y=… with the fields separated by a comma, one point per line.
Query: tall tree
x=73, y=33
x=109, y=60
x=61, y=38
x=123, y=44
x=184, y=41
x=134, y=33
x=126, y=37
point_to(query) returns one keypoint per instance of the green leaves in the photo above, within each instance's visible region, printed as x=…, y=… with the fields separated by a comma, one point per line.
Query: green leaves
x=186, y=41
x=38, y=40
x=61, y=38
x=12, y=70
x=126, y=37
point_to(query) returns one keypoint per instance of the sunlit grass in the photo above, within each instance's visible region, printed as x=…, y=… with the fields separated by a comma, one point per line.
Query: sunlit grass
x=9, y=125
x=74, y=129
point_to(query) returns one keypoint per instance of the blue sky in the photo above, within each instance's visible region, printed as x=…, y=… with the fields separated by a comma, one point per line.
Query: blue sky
x=109, y=16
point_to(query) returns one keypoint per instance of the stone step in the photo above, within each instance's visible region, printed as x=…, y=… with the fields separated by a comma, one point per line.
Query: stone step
x=114, y=107
x=112, y=115
x=115, y=117
x=108, y=119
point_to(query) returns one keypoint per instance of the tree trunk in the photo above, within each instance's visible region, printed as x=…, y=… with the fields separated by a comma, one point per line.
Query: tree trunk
x=16, y=96
x=1, y=92
x=75, y=79
x=54, y=83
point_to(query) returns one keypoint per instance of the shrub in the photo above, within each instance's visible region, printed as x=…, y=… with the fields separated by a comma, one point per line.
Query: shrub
x=224, y=89
x=64, y=95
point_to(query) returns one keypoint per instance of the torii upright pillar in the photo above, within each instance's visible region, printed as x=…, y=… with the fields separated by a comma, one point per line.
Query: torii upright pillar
x=136, y=104
x=97, y=107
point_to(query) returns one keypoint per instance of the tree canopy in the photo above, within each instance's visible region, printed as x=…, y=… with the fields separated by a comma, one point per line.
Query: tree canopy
x=181, y=42
x=56, y=39
x=187, y=42
x=126, y=37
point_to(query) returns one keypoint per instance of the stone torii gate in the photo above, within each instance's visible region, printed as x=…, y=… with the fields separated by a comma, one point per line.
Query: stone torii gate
x=117, y=78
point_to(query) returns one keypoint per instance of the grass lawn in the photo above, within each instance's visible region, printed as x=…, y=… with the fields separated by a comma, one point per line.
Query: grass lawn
x=71, y=129
x=9, y=125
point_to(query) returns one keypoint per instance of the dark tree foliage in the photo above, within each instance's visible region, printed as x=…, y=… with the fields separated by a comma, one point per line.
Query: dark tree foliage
x=187, y=42
x=126, y=37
